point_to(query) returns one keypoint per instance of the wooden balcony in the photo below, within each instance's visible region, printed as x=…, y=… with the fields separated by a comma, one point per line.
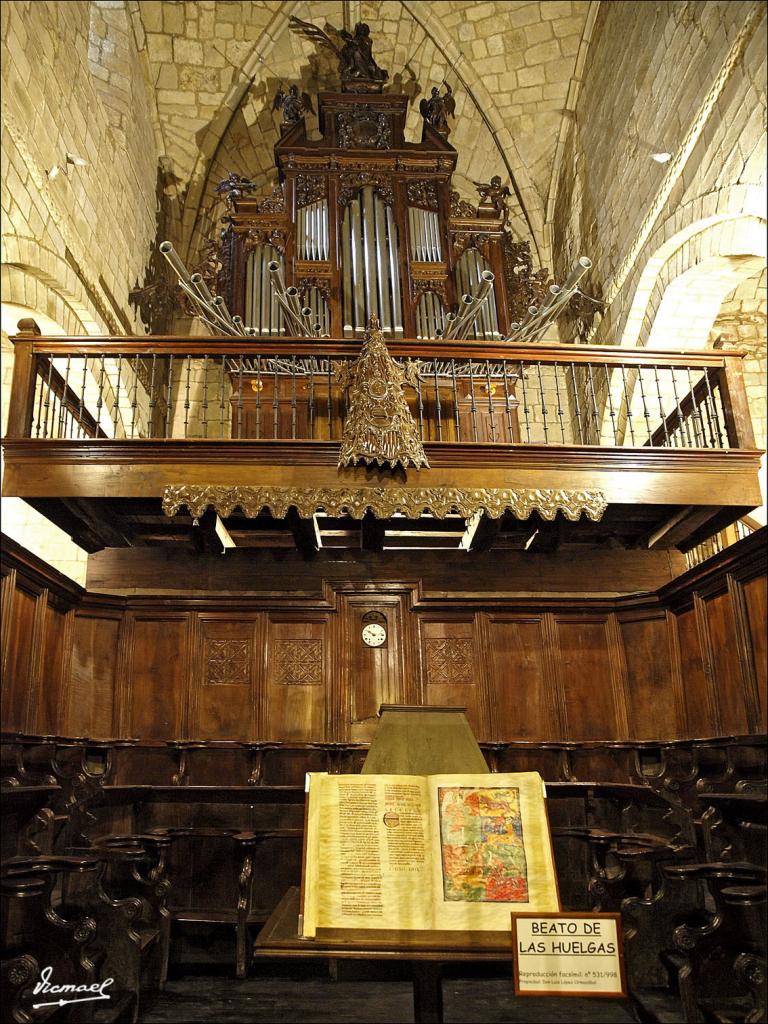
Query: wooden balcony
x=99, y=427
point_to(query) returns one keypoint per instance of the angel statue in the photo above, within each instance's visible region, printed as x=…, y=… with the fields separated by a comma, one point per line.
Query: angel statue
x=437, y=109
x=493, y=196
x=354, y=50
x=293, y=105
x=233, y=187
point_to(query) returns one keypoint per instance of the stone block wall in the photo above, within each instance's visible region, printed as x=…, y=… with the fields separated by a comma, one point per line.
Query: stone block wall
x=660, y=78
x=97, y=220
x=74, y=243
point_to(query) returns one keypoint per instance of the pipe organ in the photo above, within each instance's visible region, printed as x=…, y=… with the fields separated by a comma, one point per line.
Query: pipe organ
x=363, y=222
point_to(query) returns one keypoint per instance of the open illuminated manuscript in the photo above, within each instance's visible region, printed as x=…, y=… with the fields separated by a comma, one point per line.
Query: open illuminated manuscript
x=417, y=853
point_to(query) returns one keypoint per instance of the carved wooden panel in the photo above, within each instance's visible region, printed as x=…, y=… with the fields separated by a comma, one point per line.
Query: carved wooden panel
x=158, y=677
x=586, y=675
x=757, y=614
x=695, y=685
x=725, y=661
x=453, y=671
x=227, y=662
x=450, y=661
x=223, y=685
x=298, y=662
x=522, y=690
x=93, y=673
x=650, y=676
x=297, y=674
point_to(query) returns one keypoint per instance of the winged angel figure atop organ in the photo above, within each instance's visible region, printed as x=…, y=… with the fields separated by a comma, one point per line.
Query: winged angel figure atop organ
x=354, y=50
x=379, y=428
x=292, y=105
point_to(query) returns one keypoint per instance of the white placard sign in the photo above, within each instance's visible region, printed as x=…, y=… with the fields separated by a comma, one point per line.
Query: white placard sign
x=568, y=955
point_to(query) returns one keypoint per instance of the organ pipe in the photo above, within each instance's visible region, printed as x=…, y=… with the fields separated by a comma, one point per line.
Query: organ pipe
x=370, y=271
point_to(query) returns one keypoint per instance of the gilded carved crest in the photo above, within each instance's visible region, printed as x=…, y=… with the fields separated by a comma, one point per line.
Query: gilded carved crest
x=363, y=128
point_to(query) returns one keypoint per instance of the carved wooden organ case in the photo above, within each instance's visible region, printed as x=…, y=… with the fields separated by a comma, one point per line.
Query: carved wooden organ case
x=364, y=223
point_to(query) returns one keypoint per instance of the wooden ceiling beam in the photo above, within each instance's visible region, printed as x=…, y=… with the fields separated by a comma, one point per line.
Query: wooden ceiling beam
x=481, y=532
x=372, y=532
x=306, y=534
x=209, y=534
x=104, y=523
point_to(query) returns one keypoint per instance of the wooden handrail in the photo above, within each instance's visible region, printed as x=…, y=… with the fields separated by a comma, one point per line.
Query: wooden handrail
x=185, y=345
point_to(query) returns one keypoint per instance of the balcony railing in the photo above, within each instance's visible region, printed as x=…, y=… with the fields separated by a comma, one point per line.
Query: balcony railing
x=219, y=388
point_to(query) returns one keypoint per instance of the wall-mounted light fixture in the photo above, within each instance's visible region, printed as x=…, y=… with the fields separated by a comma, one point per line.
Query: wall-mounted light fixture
x=71, y=160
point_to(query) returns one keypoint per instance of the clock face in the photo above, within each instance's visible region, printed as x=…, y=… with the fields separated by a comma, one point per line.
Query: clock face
x=374, y=634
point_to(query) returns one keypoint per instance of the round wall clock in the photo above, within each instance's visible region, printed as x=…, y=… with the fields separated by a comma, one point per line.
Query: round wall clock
x=374, y=631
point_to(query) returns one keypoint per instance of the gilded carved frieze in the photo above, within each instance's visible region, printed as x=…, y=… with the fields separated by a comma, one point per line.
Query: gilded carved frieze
x=385, y=501
x=422, y=193
x=364, y=128
x=310, y=188
x=351, y=183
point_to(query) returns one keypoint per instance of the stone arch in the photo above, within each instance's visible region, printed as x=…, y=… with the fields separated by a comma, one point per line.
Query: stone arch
x=38, y=282
x=682, y=287
x=531, y=222
x=27, y=266
x=209, y=141
x=697, y=252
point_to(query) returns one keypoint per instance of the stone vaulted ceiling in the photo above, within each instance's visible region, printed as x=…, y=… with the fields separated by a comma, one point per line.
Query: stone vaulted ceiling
x=215, y=67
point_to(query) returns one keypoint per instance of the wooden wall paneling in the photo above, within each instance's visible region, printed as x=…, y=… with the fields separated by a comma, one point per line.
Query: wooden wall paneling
x=726, y=663
x=453, y=667
x=7, y=611
x=159, y=673
x=372, y=676
x=588, y=675
x=54, y=669
x=36, y=650
x=753, y=593
x=707, y=660
x=67, y=643
x=18, y=661
x=121, y=711
x=746, y=652
x=486, y=693
x=652, y=706
x=223, y=681
x=700, y=707
x=93, y=675
x=554, y=669
x=525, y=703
x=676, y=680
x=619, y=676
x=296, y=682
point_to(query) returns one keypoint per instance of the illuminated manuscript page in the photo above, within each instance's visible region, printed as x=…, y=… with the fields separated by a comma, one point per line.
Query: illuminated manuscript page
x=408, y=852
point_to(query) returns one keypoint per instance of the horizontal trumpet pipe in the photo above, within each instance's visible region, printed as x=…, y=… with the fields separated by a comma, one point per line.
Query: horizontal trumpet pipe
x=473, y=308
x=584, y=264
x=175, y=261
x=207, y=311
x=292, y=294
x=468, y=304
